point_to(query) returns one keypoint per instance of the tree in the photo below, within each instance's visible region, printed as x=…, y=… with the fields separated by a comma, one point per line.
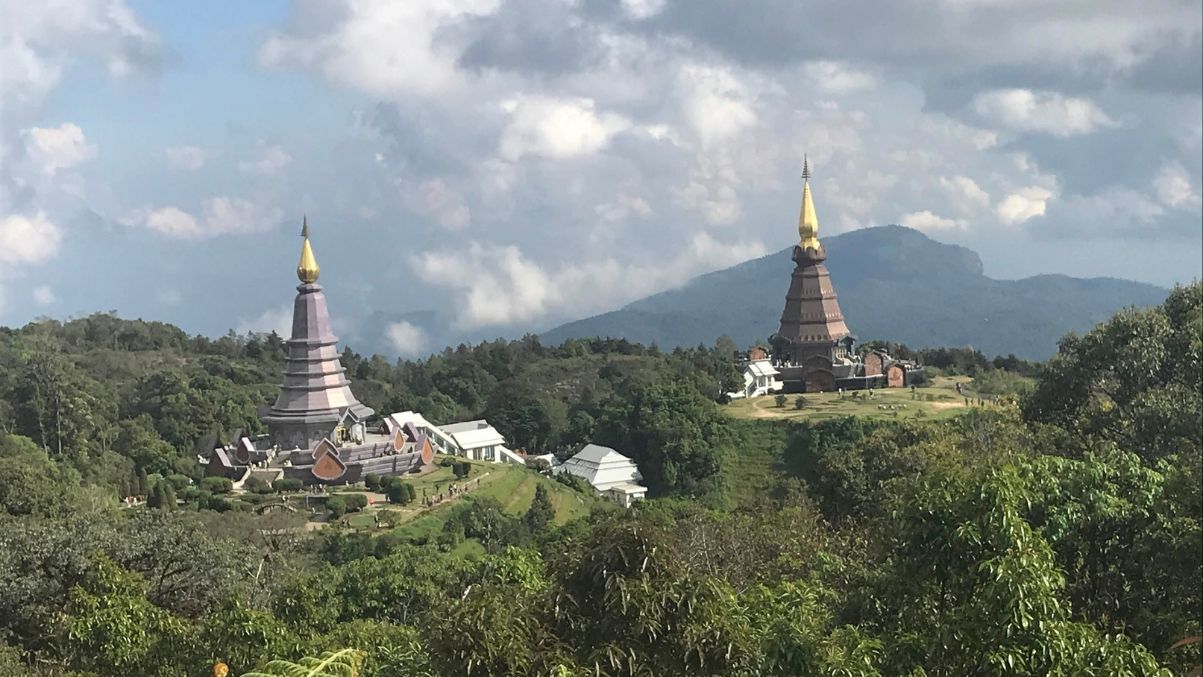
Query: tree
x=397, y=491
x=337, y=506
x=541, y=511
x=780, y=400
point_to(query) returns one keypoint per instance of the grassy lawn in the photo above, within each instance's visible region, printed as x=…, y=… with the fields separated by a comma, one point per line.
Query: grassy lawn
x=884, y=403
x=511, y=485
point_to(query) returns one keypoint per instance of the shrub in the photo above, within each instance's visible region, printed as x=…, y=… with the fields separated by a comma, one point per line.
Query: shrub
x=189, y=494
x=371, y=481
x=337, y=506
x=179, y=481
x=218, y=503
x=461, y=469
x=287, y=484
x=355, y=501
x=217, y=485
x=799, y=402
x=780, y=400
x=255, y=485
x=399, y=492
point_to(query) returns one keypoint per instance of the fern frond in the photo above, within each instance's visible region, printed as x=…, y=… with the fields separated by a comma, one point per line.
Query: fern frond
x=343, y=663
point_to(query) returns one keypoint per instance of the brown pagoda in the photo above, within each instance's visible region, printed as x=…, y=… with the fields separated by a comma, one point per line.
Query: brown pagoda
x=315, y=401
x=813, y=348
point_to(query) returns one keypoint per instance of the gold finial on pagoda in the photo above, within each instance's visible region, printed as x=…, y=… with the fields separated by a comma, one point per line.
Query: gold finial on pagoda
x=307, y=269
x=808, y=221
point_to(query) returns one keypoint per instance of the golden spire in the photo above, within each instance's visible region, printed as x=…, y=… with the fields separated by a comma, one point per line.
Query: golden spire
x=808, y=221
x=307, y=269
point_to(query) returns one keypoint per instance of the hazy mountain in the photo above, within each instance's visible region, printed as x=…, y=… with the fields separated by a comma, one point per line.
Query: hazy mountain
x=893, y=283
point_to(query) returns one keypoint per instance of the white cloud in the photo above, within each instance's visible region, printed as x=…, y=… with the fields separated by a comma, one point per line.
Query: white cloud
x=25, y=240
x=55, y=148
x=1025, y=110
x=186, y=158
x=37, y=39
x=407, y=339
x=435, y=198
x=381, y=47
x=43, y=295
x=965, y=193
x=271, y=160
x=556, y=127
x=835, y=77
x=642, y=9
x=500, y=286
x=716, y=103
x=25, y=78
x=174, y=222
x=1174, y=187
x=1116, y=212
x=1023, y=204
x=717, y=202
x=278, y=319
x=929, y=222
x=220, y=216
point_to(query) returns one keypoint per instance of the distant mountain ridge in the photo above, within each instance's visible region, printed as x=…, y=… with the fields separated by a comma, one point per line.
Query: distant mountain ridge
x=893, y=283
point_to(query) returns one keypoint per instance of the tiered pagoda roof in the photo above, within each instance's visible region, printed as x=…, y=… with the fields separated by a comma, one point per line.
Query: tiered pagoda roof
x=812, y=313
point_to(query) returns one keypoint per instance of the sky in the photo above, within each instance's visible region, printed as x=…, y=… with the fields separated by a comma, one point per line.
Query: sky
x=513, y=165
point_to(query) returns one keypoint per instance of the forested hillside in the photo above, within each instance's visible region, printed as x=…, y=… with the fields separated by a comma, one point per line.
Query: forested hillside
x=1057, y=535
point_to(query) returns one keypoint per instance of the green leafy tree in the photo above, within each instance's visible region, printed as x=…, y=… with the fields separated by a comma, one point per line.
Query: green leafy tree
x=541, y=511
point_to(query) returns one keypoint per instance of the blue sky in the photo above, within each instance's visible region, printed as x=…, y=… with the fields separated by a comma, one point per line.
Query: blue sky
x=513, y=165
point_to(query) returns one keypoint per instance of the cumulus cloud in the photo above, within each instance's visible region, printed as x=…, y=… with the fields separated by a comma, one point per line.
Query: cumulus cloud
x=43, y=295
x=446, y=205
x=55, y=148
x=407, y=339
x=1174, y=187
x=1025, y=110
x=186, y=158
x=220, y=216
x=717, y=103
x=557, y=128
x=642, y=9
x=1117, y=212
x=271, y=160
x=965, y=193
x=1023, y=204
x=38, y=39
x=382, y=47
x=28, y=239
x=929, y=222
x=501, y=286
x=277, y=319
x=835, y=77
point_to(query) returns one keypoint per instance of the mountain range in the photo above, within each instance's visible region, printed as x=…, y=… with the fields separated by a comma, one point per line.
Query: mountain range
x=893, y=283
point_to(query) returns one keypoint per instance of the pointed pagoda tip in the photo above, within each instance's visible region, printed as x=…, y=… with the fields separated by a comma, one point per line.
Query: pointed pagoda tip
x=305, y=225
x=805, y=168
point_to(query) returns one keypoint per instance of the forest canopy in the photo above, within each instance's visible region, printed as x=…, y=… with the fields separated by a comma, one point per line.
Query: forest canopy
x=1056, y=535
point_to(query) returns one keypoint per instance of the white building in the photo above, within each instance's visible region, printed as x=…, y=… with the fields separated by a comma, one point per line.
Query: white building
x=613, y=475
x=474, y=440
x=760, y=378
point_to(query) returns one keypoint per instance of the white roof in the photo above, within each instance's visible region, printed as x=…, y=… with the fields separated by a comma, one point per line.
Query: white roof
x=602, y=467
x=399, y=419
x=629, y=488
x=465, y=426
x=476, y=438
x=762, y=368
